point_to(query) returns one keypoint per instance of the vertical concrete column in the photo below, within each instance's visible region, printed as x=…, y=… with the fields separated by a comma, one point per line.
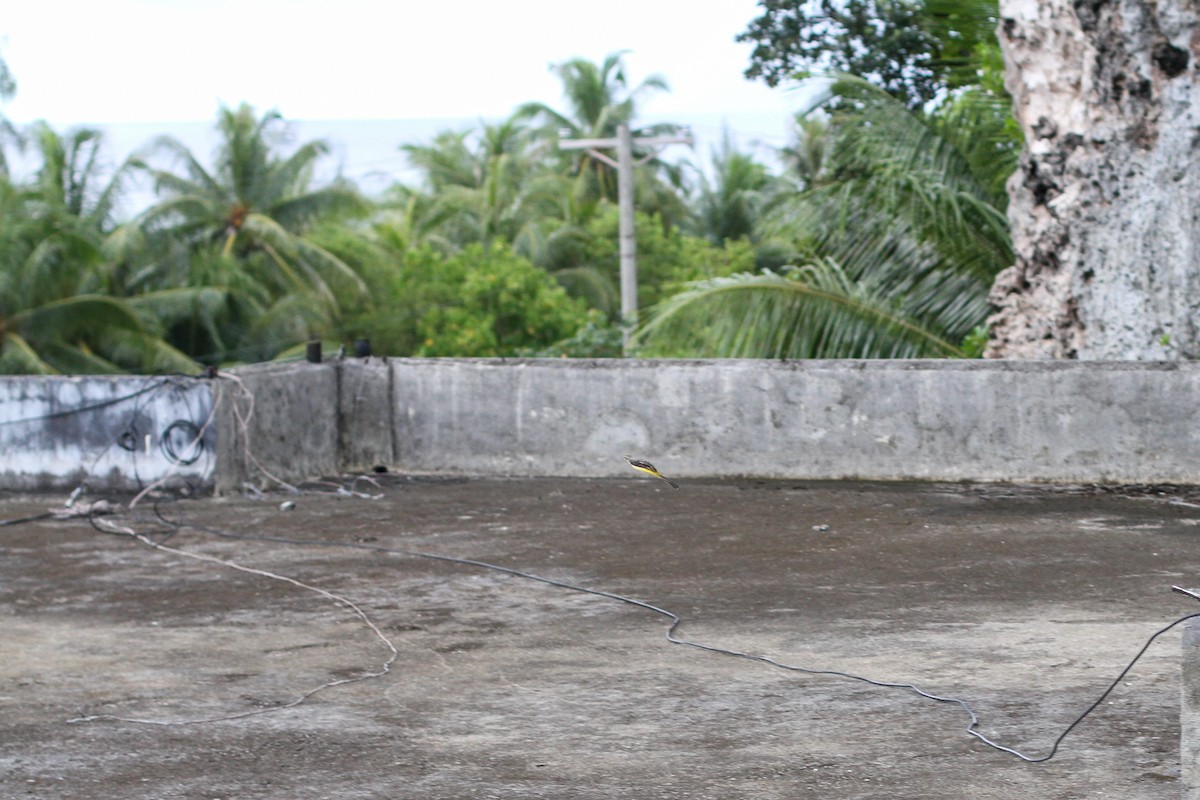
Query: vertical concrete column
x=366, y=429
x=1189, y=711
x=277, y=422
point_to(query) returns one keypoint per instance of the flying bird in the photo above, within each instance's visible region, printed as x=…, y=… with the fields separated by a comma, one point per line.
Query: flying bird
x=649, y=469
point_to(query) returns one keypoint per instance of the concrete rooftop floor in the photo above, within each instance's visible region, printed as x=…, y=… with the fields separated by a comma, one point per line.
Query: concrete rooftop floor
x=1023, y=601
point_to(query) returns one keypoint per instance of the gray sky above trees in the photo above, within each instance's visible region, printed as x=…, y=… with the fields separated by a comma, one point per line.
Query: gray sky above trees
x=175, y=60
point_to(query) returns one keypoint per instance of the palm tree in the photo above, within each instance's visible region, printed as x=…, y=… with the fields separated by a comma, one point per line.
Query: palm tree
x=899, y=242
x=599, y=99
x=55, y=314
x=8, y=89
x=411, y=218
x=240, y=229
x=500, y=183
x=728, y=206
x=805, y=159
x=492, y=184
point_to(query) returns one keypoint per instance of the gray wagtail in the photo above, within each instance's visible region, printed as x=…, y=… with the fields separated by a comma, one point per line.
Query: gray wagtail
x=649, y=469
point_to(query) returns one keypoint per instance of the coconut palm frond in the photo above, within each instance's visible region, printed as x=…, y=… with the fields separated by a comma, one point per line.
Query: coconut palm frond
x=593, y=285
x=18, y=357
x=76, y=359
x=813, y=312
x=899, y=226
x=140, y=352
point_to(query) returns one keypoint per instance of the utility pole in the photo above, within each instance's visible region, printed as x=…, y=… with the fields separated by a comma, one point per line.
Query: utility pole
x=627, y=240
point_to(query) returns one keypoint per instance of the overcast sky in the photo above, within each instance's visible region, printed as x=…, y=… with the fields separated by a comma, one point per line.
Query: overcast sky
x=175, y=60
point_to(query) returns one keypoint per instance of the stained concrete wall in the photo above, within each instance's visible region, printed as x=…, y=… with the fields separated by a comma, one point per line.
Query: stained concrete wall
x=110, y=432
x=278, y=422
x=1127, y=422
x=367, y=430
x=934, y=420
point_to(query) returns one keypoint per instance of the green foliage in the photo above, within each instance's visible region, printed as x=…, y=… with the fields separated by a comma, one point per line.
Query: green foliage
x=899, y=240
x=916, y=50
x=975, y=342
x=86, y=334
x=968, y=51
x=54, y=313
x=815, y=311
x=728, y=206
x=476, y=302
x=599, y=99
x=8, y=90
x=487, y=185
x=879, y=237
x=488, y=303
x=667, y=258
x=242, y=230
x=598, y=338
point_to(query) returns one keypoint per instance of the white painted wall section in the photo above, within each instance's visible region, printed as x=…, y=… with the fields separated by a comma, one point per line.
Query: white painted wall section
x=114, y=433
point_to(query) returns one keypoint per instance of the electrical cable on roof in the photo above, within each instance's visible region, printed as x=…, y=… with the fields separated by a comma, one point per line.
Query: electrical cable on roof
x=91, y=406
x=675, y=621
x=4, y=523
x=384, y=668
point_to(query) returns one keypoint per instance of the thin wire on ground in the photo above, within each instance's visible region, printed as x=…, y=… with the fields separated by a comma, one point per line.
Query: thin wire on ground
x=672, y=635
x=380, y=672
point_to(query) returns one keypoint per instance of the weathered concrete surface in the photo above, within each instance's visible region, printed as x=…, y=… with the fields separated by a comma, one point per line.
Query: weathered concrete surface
x=1025, y=602
x=1104, y=208
x=1120, y=422
x=118, y=433
x=366, y=433
x=1189, y=744
x=277, y=422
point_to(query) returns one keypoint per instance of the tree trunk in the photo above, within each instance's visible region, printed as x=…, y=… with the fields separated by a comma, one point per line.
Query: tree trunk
x=1105, y=206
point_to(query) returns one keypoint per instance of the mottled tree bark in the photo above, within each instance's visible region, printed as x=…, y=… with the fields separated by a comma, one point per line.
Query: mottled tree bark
x=1105, y=206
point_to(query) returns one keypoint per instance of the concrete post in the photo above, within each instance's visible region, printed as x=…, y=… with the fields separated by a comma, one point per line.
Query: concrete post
x=627, y=244
x=366, y=433
x=1189, y=712
x=627, y=239
x=277, y=423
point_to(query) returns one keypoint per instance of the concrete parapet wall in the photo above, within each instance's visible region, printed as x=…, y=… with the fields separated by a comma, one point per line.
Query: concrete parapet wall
x=1128, y=422
x=277, y=422
x=366, y=429
x=885, y=420
x=112, y=433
